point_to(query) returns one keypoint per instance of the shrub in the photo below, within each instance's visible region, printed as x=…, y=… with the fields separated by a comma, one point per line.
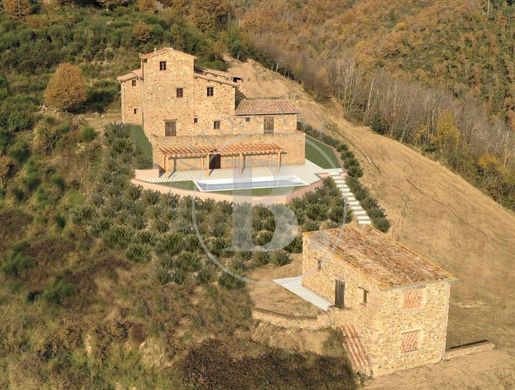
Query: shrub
x=280, y=258
x=169, y=244
x=19, y=151
x=263, y=237
x=138, y=253
x=355, y=171
x=295, y=246
x=260, y=258
x=16, y=263
x=205, y=275
x=382, y=224
x=317, y=212
x=58, y=291
x=82, y=215
x=188, y=261
x=163, y=276
x=87, y=134
x=141, y=32
x=230, y=282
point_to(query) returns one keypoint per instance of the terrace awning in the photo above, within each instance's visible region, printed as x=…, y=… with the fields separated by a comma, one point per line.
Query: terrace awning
x=208, y=151
x=223, y=150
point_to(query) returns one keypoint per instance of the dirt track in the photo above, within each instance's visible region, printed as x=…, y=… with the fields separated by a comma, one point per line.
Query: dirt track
x=433, y=211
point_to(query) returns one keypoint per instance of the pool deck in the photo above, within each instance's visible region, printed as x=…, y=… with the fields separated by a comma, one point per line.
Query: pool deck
x=308, y=173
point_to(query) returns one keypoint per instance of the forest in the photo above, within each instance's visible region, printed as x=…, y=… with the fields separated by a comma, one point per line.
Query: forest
x=434, y=74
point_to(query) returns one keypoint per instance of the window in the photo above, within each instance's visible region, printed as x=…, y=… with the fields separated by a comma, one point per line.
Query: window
x=410, y=341
x=364, y=296
x=135, y=111
x=247, y=119
x=195, y=120
x=133, y=83
x=179, y=92
x=210, y=91
x=170, y=128
x=319, y=265
x=162, y=65
x=269, y=125
x=413, y=298
x=216, y=125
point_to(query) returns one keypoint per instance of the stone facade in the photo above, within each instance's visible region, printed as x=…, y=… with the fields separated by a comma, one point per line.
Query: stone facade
x=400, y=327
x=201, y=103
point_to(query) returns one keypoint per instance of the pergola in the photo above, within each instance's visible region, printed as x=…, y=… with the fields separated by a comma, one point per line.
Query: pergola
x=241, y=150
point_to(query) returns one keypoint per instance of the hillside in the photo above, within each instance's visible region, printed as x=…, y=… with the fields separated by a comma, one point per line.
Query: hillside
x=433, y=74
x=432, y=210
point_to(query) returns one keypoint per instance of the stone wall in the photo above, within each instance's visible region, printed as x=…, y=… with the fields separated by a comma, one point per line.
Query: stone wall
x=160, y=97
x=285, y=123
x=288, y=321
x=385, y=319
x=217, y=197
x=131, y=101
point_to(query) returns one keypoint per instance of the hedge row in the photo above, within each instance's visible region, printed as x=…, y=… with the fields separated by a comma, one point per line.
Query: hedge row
x=354, y=172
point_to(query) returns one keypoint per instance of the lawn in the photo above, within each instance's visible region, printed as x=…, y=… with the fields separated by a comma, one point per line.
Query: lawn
x=141, y=141
x=320, y=154
x=183, y=185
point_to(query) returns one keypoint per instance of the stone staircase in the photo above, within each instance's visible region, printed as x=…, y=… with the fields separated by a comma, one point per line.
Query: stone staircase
x=355, y=351
x=357, y=211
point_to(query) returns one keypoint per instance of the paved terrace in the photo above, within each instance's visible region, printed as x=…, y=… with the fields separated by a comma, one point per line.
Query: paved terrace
x=309, y=173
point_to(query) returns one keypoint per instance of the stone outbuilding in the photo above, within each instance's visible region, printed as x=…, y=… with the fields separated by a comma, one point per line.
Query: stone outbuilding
x=190, y=116
x=390, y=303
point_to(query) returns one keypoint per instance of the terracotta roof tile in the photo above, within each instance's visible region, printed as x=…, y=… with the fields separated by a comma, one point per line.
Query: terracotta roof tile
x=265, y=107
x=162, y=51
x=384, y=260
x=129, y=76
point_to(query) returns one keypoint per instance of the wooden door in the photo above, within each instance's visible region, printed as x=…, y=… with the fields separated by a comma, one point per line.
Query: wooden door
x=339, y=294
x=215, y=161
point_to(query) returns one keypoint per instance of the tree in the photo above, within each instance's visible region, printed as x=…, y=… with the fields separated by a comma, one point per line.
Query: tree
x=141, y=31
x=109, y=4
x=66, y=89
x=145, y=5
x=210, y=15
x=17, y=8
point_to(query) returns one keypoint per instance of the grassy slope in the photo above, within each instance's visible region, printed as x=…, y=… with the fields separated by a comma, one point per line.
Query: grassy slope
x=432, y=210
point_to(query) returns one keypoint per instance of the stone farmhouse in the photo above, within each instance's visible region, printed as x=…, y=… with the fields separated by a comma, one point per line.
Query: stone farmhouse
x=390, y=303
x=190, y=116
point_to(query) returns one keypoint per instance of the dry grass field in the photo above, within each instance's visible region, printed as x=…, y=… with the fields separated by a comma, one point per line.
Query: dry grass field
x=438, y=214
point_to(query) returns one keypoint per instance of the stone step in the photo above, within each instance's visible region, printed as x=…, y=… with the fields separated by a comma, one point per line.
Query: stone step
x=364, y=222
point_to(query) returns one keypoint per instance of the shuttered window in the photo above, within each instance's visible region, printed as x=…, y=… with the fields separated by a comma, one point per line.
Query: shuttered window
x=170, y=128
x=268, y=125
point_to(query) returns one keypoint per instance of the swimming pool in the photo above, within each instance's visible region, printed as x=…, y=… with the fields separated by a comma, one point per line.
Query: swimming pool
x=248, y=183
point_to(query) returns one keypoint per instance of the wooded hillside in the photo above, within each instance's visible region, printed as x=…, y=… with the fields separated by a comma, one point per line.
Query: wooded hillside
x=435, y=74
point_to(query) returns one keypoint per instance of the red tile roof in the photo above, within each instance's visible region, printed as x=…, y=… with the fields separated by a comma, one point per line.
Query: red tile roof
x=162, y=51
x=380, y=258
x=129, y=76
x=265, y=107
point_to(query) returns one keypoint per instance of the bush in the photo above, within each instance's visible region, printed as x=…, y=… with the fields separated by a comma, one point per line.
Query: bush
x=260, y=258
x=16, y=263
x=295, y=246
x=230, y=282
x=188, y=261
x=382, y=224
x=138, y=253
x=280, y=258
x=58, y=291
x=87, y=134
x=264, y=237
